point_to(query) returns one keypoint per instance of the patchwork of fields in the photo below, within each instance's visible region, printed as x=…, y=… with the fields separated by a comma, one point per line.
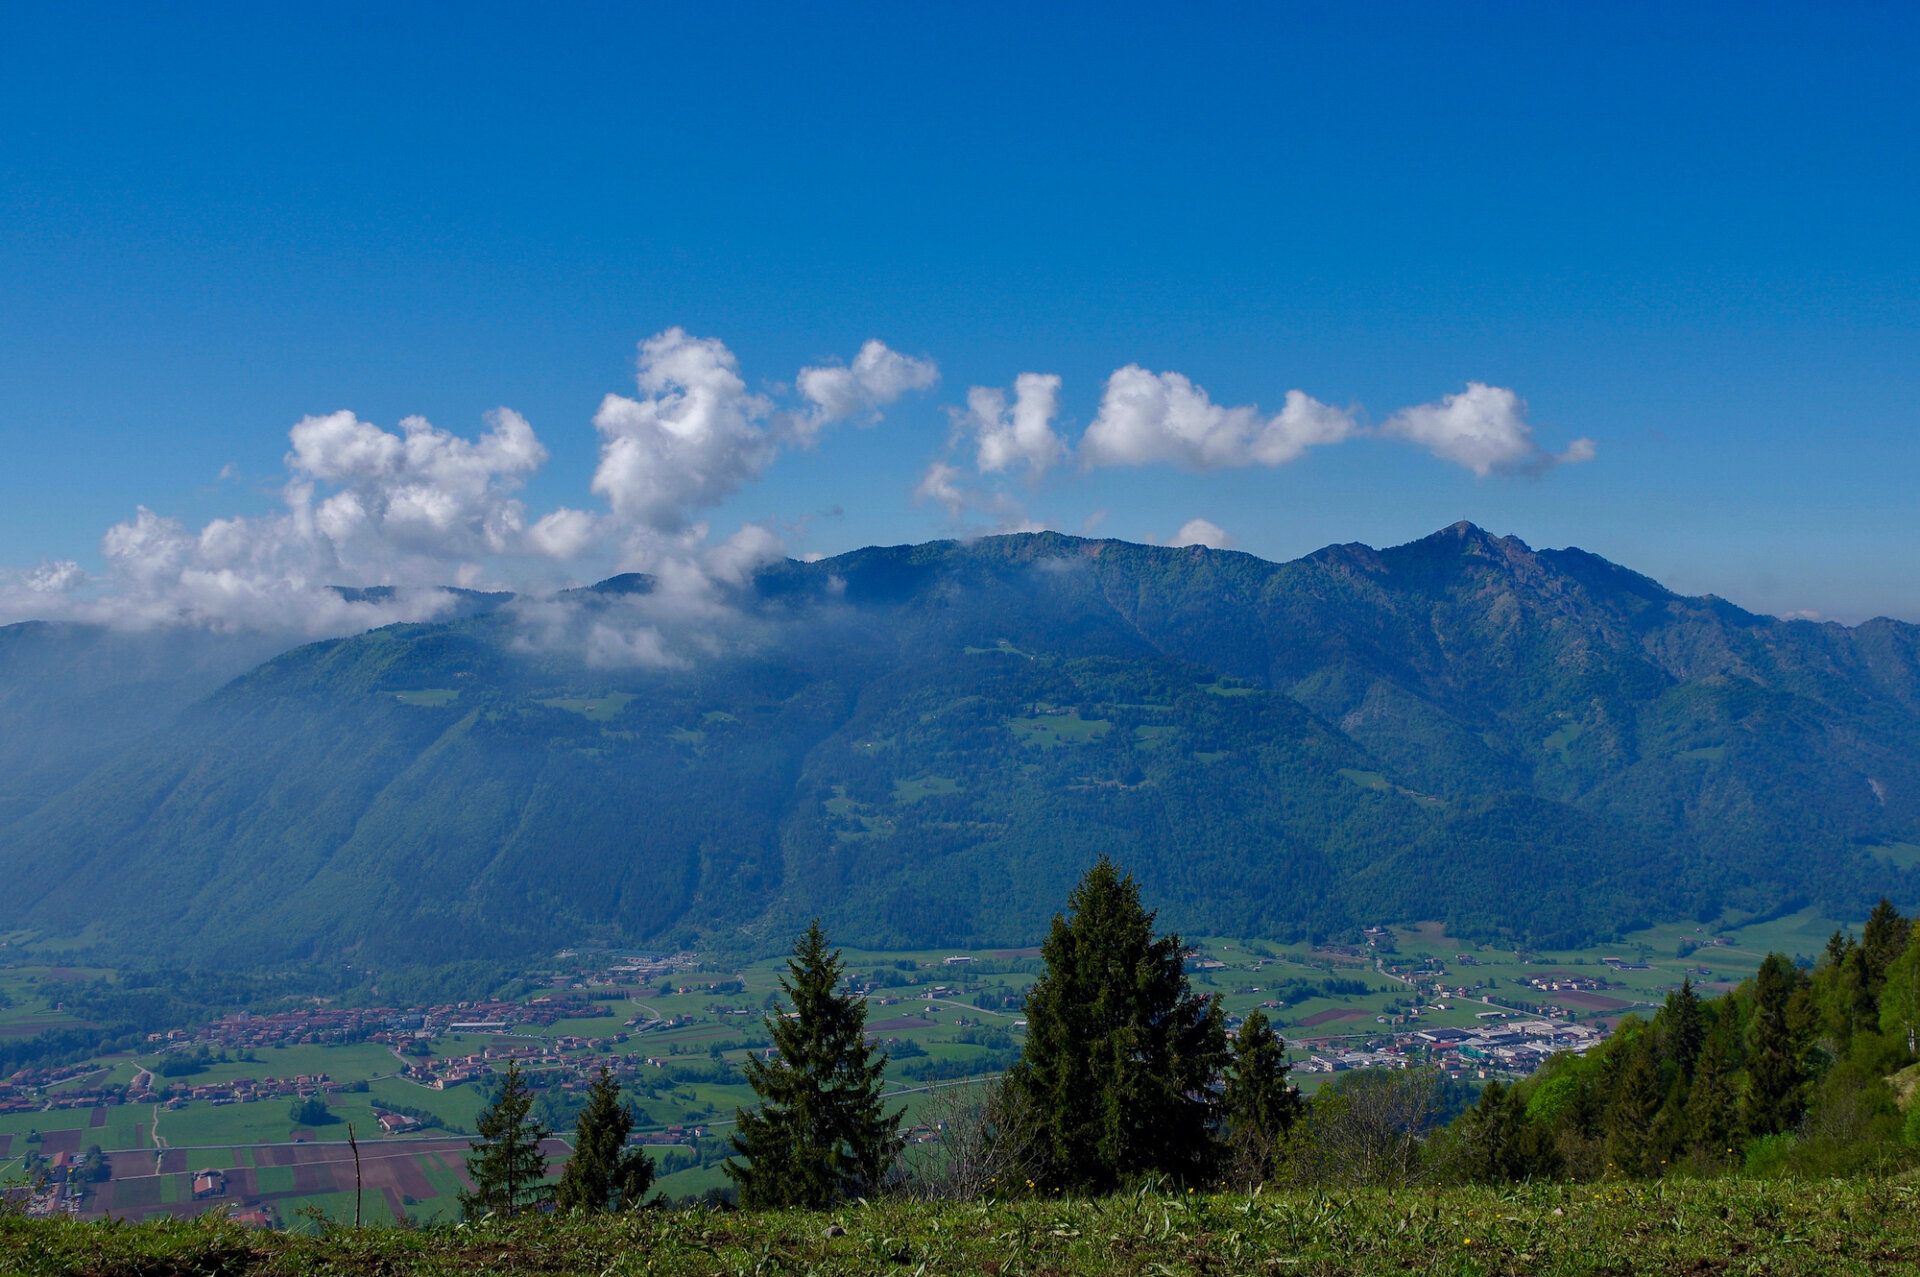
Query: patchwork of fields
x=945, y=1016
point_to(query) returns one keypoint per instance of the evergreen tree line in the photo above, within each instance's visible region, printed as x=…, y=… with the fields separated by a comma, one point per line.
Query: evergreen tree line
x=1793, y=1071
x=1128, y=1077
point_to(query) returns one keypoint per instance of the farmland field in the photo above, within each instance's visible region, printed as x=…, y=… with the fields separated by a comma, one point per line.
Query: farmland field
x=943, y=1014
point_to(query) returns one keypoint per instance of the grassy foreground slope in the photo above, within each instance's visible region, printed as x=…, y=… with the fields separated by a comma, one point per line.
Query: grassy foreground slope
x=1732, y=1226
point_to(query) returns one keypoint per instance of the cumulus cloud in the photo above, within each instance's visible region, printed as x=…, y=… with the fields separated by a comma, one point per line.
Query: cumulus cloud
x=565, y=533
x=691, y=439
x=415, y=510
x=1021, y=437
x=876, y=378
x=1147, y=417
x=423, y=491
x=1484, y=428
x=1202, y=532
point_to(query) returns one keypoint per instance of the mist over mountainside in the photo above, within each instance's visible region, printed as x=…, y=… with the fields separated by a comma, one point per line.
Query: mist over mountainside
x=927, y=744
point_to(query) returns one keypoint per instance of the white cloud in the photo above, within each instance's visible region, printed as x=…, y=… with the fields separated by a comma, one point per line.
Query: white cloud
x=417, y=507
x=941, y=483
x=691, y=439
x=565, y=533
x=1147, y=417
x=876, y=378
x=735, y=560
x=1484, y=428
x=424, y=491
x=1202, y=532
x=363, y=506
x=1023, y=437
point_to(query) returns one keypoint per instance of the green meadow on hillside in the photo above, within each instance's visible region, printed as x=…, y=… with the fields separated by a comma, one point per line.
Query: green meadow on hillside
x=1785, y=1229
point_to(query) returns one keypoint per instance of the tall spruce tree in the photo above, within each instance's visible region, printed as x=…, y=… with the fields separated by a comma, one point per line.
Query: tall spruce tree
x=1491, y=1135
x=604, y=1174
x=1259, y=1103
x=1685, y=1026
x=1775, y=1085
x=1121, y=1055
x=506, y=1164
x=1883, y=940
x=1632, y=1146
x=1712, y=1120
x=821, y=1134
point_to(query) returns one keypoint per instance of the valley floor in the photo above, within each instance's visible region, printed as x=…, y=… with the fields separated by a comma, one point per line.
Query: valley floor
x=1729, y=1226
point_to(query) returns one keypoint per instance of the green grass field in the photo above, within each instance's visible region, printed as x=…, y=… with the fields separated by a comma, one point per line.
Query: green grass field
x=912, y=791
x=1784, y=1229
x=431, y=697
x=600, y=709
x=1049, y=731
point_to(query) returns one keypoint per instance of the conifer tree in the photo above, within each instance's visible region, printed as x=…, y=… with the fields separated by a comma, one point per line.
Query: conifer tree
x=1883, y=940
x=821, y=1134
x=1686, y=1027
x=1670, y=1136
x=1710, y=1105
x=1632, y=1149
x=1120, y=1054
x=1493, y=1147
x=604, y=1174
x=1258, y=1102
x=506, y=1164
x=1774, y=1099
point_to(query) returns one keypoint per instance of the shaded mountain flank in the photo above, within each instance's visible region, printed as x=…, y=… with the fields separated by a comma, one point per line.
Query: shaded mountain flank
x=926, y=745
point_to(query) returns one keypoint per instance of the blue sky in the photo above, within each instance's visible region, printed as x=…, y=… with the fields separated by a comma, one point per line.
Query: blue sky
x=1683, y=233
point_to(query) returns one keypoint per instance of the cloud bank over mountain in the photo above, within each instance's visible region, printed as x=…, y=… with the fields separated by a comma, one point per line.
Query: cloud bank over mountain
x=374, y=523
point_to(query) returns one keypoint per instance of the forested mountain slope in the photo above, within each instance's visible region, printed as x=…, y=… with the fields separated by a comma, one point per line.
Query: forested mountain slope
x=928, y=744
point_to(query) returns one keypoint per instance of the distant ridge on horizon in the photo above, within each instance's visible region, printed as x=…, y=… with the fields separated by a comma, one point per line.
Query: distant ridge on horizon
x=924, y=744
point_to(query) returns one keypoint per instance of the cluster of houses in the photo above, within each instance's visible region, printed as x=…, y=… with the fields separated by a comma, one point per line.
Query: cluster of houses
x=17, y=1090
x=1493, y=1047
x=325, y=1025
x=454, y=1070
x=307, y=1026
x=241, y=1090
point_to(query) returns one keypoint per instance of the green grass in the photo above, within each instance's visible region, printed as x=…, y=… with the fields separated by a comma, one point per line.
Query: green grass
x=1049, y=731
x=18, y=1124
x=599, y=709
x=432, y=697
x=1901, y=855
x=338, y=1209
x=1000, y=648
x=1563, y=737
x=1366, y=780
x=456, y=1108
x=341, y=1063
x=1153, y=735
x=262, y=1122
x=1787, y=1229
x=912, y=791
x=274, y=1179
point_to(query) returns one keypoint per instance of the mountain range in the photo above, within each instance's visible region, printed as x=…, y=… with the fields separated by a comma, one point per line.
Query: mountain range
x=926, y=745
